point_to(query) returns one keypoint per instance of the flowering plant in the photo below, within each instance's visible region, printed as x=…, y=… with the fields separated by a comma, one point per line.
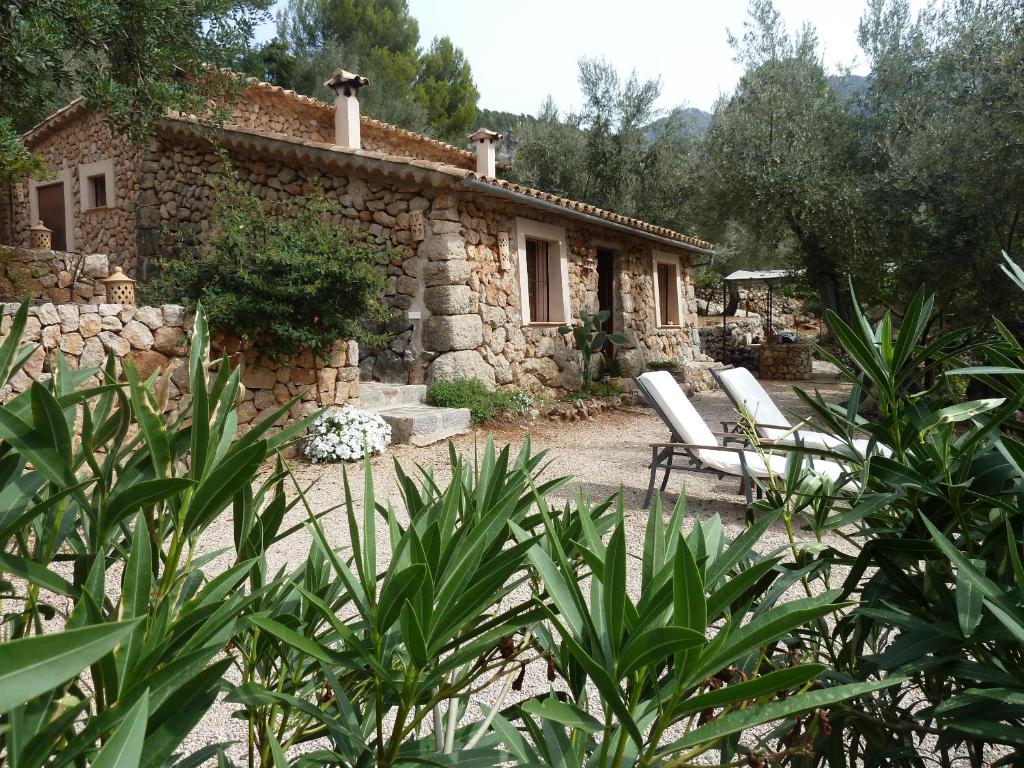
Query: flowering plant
x=346, y=434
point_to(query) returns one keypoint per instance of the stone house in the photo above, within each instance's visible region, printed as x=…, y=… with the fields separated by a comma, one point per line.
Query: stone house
x=487, y=270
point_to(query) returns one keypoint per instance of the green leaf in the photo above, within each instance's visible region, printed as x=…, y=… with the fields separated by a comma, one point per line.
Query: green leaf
x=151, y=424
x=397, y=588
x=290, y=637
x=12, y=345
x=969, y=600
x=780, y=680
x=1006, y=612
x=31, y=666
x=124, y=501
x=37, y=574
x=124, y=748
x=561, y=712
x=744, y=719
x=221, y=484
x=657, y=645
x=614, y=586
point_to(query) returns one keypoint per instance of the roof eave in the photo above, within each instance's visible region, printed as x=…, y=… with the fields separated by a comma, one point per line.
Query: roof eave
x=562, y=210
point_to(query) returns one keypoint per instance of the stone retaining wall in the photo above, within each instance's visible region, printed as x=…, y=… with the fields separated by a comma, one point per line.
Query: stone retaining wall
x=54, y=276
x=156, y=338
x=737, y=329
x=785, y=362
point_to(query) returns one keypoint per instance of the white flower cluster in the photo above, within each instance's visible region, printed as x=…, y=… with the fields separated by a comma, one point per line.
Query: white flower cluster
x=342, y=434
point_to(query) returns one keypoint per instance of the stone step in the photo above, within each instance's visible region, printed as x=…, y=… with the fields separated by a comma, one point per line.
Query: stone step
x=373, y=395
x=424, y=424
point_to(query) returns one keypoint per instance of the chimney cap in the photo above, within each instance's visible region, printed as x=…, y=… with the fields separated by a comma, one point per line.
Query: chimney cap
x=342, y=79
x=486, y=133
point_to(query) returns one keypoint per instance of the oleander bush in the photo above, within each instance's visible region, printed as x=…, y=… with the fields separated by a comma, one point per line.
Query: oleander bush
x=126, y=620
x=929, y=546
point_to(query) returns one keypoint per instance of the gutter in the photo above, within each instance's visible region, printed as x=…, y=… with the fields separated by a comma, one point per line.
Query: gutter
x=483, y=186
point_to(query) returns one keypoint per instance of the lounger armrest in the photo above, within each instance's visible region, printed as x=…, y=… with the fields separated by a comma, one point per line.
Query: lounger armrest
x=695, y=447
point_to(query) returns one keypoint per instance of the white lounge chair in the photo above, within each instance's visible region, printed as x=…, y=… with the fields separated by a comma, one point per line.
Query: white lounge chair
x=754, y=403
x=693, y=440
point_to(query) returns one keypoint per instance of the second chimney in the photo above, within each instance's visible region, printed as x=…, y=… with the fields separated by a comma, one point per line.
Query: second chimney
x=346, y=107
x=484, y=140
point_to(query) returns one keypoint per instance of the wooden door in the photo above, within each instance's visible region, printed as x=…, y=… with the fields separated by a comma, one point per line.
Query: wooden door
x=606, y=289
x=52, y=214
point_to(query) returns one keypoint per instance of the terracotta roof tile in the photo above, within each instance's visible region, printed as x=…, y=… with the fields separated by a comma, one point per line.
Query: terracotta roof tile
x=55, y=120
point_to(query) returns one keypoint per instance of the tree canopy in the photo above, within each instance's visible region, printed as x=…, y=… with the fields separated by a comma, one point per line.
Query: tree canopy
x=445, y=89
x=430, y=91
x=131, y=60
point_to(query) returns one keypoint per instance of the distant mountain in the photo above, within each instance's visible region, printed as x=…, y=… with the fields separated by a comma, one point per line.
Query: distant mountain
x=849, y=86
x=690, y=121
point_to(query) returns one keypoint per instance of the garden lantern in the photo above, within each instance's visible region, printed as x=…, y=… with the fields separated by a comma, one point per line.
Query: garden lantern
x=40, y=237
x=120, y=288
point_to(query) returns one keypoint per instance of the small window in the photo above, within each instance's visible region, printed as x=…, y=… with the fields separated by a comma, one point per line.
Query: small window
x=543, y=272
x=537, y=271
x=97, y=185
x=666, y=292
x=98, y=188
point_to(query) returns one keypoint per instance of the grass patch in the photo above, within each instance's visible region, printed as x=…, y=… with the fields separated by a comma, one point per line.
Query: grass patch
x=483, y=404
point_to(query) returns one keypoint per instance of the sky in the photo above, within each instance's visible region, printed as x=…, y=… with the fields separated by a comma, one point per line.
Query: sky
x=523, y=51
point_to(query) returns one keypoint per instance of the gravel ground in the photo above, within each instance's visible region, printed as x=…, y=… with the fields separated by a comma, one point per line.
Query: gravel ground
x=602, y=455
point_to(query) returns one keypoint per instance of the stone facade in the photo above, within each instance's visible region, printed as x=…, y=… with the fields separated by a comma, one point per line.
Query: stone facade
x=156, y=339
x=457, y=299
x=53, y=276
x=81, y=140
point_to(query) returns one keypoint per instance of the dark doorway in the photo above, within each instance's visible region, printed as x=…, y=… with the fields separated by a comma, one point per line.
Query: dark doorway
x=51, y=213
x=606, y=288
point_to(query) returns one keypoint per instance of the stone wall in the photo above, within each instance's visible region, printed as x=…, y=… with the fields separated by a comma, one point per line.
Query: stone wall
x=53, y=276
x=466, y=295
x=156, y=338
x=110, y=230
x=740, y=332
x=785, y=362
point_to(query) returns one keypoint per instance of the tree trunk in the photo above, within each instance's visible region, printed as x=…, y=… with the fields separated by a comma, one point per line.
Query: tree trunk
x=734, y=300
x=833, y=294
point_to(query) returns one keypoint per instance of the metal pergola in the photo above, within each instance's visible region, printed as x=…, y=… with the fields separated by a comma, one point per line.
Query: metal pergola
x=767, y=277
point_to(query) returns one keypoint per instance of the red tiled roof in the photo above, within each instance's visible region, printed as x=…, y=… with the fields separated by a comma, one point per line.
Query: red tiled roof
x=59, y=117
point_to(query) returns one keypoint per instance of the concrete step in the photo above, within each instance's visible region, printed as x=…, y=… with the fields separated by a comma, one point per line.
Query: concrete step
x=374, y=395
x=424, y=424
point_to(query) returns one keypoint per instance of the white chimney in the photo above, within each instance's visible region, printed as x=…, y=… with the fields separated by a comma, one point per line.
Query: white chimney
x=484, y=140
x=346, y=107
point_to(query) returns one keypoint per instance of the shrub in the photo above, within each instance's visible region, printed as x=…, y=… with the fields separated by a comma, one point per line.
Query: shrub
x=464, y=393
x=115, y=638
x=346, y=434
x=120, y=630
x=512, y=400
x=291, y=279
x=931, y=543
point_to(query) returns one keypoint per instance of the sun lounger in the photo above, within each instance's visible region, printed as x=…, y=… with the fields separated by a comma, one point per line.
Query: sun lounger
x=692, y=441
x=753, y=403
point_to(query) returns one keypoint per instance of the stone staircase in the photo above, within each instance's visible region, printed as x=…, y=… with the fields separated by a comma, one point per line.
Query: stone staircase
x=412, y=421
